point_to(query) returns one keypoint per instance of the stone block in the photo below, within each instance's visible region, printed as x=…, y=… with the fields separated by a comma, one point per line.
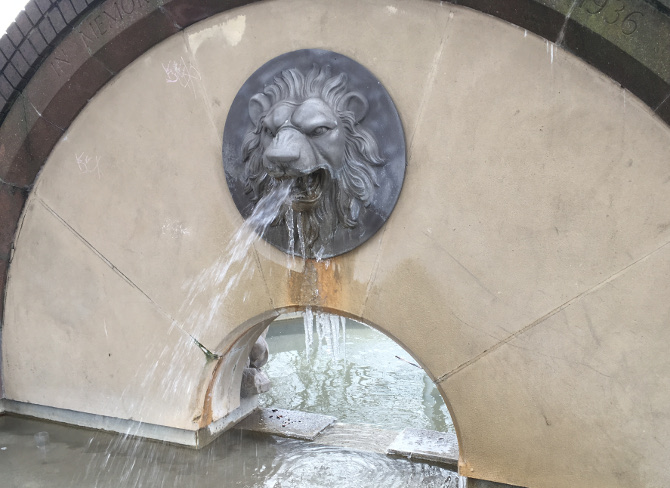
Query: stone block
x=153, y=372
x=185, y=223
x=531, y=15
x=6, y=46
x=28, y=52
x=118, y=32
x=616, y=63
x=426, y=445
x=79, y=5
x=37, y=40
x=56, y=19
x=44, y=5
x=286, y=423
x=6, y=88
x=67, y=10
x=596, y=359
x=13, y=152
x=47, y=30
x=19, y=63
x=136, y=38
x=24, y=23
x=62, y=90
x=33, y=12
x=12, y=75
x=187, y=12
x=41, y=139
x=11, y=204
x=254, y=382
x=14, y=33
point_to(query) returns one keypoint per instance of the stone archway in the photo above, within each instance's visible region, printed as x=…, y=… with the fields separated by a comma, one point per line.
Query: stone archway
x=524, y=264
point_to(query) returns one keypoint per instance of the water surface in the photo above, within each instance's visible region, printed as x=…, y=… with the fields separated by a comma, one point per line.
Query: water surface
x=365, y=378
x=83, y=458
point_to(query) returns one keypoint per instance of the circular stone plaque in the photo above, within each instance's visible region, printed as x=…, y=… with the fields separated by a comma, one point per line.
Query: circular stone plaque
x=314, y=137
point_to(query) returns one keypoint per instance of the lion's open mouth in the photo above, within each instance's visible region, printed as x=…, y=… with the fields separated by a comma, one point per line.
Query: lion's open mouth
x=306, y=190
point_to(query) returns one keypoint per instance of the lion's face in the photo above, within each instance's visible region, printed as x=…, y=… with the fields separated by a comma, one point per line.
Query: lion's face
x=305, y=143
x=306, y=134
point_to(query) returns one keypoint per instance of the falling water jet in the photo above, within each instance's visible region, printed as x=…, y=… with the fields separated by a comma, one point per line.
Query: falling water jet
x=308, y=320
x=291, y=231
x=237, y=252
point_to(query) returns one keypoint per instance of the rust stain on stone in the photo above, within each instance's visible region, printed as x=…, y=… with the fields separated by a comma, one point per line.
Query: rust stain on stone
x=206, y=416
x=327, y=285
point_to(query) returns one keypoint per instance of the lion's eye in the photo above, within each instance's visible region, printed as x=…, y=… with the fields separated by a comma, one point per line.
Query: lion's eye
x=320, y=131
x=268, y=132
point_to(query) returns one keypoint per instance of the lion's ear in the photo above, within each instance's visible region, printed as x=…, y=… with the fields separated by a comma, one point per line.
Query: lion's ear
x=258, y=105
x=356, y=103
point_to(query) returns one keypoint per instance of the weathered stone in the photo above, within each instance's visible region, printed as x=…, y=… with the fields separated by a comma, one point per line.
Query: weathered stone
x=427, y=445
x=11, y=203
x=254, y=382
x=286, y=423
x=258, y=356
x=529, y=241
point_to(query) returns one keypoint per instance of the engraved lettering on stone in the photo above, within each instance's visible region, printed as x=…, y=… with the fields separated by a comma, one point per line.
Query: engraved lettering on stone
x=614, y=12
x=111, y=16
x=58, y=61
x=306, y=131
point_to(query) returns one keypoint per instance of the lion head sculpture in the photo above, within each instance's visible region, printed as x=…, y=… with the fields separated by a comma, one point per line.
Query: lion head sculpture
x=306, y=133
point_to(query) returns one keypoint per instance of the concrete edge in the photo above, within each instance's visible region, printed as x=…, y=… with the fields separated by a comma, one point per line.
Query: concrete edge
x=208, y=434
x=436, y=447
x=196, y=439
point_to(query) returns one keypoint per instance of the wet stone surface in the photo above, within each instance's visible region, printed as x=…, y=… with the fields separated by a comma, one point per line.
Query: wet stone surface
x=429, y=445
x=286, y=423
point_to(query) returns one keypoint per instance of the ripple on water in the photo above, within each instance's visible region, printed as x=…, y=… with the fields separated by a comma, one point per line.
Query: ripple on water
x=307, y=465
x=373, y=381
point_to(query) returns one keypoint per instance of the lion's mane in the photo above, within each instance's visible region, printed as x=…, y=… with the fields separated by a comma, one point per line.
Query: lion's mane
x=354, y=186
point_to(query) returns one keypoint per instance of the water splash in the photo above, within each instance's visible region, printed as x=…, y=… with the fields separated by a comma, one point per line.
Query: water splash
x=308, y=320
x=301, y=234
x=233, y=265
x=291, y=230
x=330, y=334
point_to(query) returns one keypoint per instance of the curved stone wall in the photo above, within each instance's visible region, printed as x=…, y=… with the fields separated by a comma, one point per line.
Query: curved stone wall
x=524, y=267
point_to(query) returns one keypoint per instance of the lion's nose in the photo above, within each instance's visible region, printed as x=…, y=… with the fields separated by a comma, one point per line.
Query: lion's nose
x=282, y=154
x=280, y=163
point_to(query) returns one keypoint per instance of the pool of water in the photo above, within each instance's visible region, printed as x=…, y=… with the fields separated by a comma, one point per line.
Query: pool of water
x=358, y=376
x=342, y=368
x=73, y=457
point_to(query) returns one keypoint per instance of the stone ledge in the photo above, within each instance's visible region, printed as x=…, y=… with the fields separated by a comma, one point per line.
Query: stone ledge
x=414, y=444
x=196, y=439
x=426, y=445
x=287, y=423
